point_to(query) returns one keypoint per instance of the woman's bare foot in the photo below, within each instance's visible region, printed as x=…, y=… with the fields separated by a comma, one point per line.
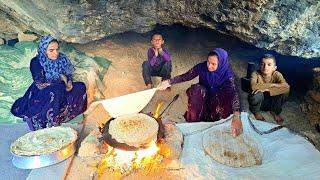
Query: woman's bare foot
x=276, y=117
x=259, y=117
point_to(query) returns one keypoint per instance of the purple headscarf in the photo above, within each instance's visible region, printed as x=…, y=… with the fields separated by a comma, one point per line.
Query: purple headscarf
x=213, y=80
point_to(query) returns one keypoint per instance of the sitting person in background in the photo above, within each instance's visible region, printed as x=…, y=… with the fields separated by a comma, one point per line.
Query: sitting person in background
x=159, y=61
x=269, y=89
x=52, y=98
x=215, y=96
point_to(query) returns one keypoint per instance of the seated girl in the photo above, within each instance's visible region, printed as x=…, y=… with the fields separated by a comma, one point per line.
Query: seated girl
x=215, y=96
x=53, y=97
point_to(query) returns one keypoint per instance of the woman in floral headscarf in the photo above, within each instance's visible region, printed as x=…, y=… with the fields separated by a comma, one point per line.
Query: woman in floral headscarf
x=215, y=96
x=52, y=98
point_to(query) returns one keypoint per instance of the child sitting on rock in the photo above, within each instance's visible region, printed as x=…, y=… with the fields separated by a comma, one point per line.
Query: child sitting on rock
x=269, y=90
x=159, y=61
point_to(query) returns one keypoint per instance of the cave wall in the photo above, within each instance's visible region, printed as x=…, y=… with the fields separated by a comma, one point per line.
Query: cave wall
x=286, y=26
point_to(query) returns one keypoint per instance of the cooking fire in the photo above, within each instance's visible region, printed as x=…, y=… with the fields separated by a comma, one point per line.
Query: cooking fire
x=132, y=148
x=124, y=162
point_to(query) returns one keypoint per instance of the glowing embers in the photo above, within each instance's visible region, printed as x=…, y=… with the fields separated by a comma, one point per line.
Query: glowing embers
x=120, y=162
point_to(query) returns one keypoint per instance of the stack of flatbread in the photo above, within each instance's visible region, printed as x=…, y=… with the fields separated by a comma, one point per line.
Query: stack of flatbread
x=136, y=130
x=240, y=151
x=44, y=141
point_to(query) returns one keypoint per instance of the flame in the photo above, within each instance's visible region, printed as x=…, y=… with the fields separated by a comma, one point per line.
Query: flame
x=127, y=161
x=156, y=113
x=123, y=156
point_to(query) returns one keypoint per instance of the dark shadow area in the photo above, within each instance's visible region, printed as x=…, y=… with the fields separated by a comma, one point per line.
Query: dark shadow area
x=296, y=70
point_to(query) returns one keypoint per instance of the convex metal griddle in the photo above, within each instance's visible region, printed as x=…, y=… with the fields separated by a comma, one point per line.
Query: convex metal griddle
x=123, y=146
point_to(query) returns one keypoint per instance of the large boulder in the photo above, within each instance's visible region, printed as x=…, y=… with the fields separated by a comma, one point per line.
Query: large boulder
x=286, y=26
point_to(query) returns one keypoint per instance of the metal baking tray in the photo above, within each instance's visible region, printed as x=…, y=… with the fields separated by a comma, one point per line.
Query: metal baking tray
x=38, y=161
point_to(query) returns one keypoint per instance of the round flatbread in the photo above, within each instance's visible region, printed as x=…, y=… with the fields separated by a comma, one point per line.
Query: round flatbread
x=135, y=129
x=240, y=151
x=44, y=141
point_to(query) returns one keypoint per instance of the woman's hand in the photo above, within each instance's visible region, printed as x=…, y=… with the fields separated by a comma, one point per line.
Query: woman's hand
x=69, y=86
x=164, y=85
x=66, y=82
x=63, y=78
x=236, y=124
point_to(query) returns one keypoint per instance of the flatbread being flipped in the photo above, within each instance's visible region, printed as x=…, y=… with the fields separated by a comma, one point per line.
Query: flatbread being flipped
x=240, y=151
x=44, y=141
x=134, y=129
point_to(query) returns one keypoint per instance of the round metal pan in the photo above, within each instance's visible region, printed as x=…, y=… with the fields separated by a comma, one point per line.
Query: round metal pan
x=38, y=161
x=123, y=146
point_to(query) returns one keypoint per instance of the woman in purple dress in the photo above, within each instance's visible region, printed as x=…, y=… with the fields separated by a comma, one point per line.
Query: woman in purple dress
x=215, y=96
x=52, y=98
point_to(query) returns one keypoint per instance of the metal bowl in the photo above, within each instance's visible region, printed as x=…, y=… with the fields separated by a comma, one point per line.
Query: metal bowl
x=38, y=161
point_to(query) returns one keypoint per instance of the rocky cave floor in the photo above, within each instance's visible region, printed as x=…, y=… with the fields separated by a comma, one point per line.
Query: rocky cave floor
x=187, y=46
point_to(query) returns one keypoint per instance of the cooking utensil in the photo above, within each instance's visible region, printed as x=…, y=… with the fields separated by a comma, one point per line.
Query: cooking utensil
x=114, y=143
x=277, y=128
x=123, y=146
x=38, y=161
x=128, y=104
x=173, y=100
x=263, y=132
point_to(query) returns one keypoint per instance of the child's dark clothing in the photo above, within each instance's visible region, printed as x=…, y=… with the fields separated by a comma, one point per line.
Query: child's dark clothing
x=157, y=65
